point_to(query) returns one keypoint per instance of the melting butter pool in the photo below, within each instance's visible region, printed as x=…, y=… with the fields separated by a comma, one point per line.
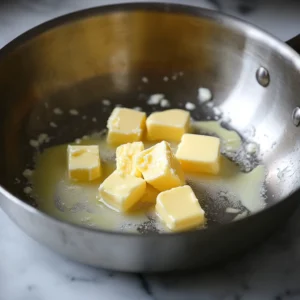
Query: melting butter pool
x=232, y=191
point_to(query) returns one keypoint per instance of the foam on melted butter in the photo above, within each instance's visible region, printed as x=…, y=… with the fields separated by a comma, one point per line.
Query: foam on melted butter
x=79, y=203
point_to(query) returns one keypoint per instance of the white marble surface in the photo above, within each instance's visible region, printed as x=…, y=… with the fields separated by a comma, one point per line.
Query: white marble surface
x=28, y=271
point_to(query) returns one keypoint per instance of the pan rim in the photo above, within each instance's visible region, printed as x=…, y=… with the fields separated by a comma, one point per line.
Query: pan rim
x=163, y=7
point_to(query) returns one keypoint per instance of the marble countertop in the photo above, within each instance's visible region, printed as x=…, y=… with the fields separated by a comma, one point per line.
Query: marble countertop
x=28, y=271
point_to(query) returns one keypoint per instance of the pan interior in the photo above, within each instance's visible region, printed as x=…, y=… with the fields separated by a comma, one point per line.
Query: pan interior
x=76, y=65
x=66, y=122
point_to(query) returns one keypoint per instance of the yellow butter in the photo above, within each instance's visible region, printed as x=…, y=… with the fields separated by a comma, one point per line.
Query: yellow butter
x=159, y=167
x=148, y=199
x=179, y=209
x=125, y=158
x=125, y=126
x=84, y=163
x=168, y=125
x=121, y=191
x=150, y=195
x=199, y=153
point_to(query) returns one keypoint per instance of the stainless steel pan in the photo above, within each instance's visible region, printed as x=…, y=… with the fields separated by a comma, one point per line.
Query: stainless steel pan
x=75, y=60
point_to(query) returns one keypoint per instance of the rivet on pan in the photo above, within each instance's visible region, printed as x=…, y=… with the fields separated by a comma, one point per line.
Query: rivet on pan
x=296, y=116
x=263, y=76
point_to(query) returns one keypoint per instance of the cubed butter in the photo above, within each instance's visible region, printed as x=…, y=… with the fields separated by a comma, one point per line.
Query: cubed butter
x=148, y=199
x=126, y=158
x=121, y=191
x=168, y=125
x=199, y=153
x=150, y=195
x=84, y=163
x=159, y=167
x=179, y=209
x=125, y=126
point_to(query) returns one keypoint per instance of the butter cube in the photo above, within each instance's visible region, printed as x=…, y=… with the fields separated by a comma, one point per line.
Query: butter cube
x=199, y=153
x=159, y=167
x=150, y=195
x=179, y=209
x=147, y=200
x=121, y=191
x=84, y=163
x=125, y=126
x=126, y=158
x=168, y=125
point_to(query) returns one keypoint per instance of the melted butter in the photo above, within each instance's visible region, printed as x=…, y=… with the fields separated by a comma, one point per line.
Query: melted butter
x=79, y=203
x=240, y=189
x=230, y=139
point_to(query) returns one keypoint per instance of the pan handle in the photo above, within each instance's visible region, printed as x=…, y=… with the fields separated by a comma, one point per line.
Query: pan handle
x=295, y=43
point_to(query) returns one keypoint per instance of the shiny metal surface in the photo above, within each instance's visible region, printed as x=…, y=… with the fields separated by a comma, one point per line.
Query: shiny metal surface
x=75, y=61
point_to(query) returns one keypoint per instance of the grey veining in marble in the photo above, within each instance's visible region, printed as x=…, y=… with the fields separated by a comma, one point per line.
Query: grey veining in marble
x=28, y=271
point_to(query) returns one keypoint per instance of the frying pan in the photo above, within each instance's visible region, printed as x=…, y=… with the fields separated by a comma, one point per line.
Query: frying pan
x=76, y=60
